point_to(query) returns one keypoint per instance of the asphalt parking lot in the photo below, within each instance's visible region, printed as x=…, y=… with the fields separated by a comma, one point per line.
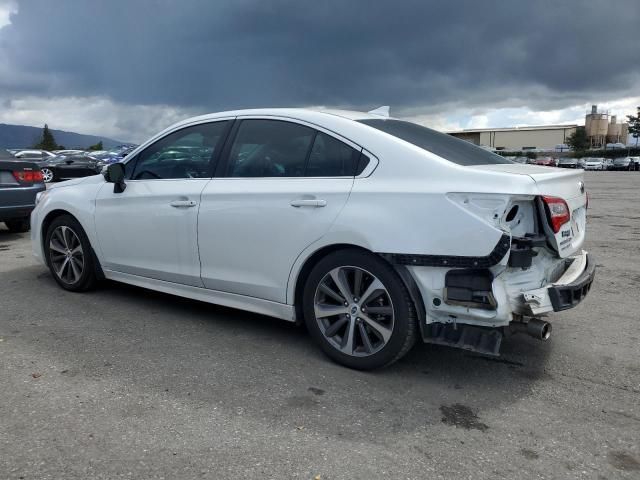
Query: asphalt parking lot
x=127, y=383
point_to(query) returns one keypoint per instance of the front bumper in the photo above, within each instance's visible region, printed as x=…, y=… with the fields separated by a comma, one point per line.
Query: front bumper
x=567, y=292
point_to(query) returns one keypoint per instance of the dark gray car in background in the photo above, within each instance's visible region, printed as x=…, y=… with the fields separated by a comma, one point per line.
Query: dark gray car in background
x=20, y=182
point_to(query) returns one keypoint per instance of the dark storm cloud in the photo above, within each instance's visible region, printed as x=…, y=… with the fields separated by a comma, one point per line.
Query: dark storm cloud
x=414, y=55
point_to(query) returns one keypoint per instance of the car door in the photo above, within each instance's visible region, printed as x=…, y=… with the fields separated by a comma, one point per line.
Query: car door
x=82, y=166
x=150, y=229
x=66, y=167
x=279, y=188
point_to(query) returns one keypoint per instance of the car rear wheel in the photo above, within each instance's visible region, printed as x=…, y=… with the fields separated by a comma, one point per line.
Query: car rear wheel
x=18, y=226
x=69, y=255
x=47, y=175
x=358, y=310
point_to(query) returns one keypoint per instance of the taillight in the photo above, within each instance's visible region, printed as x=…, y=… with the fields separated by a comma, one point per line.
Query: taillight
x=558, y=212
x=28, y=176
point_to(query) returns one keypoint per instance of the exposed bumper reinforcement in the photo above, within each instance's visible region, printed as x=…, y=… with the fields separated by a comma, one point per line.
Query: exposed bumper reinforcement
x=569, y=295
x=569, y=290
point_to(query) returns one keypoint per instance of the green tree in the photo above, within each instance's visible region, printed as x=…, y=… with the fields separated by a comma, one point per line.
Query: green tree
x=634, y=125
x=578, y=140
x=97, y=146
x=47, y=142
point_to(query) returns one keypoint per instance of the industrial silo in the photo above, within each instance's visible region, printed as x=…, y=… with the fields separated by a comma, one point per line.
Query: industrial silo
x=596, y=126
x=614, y=132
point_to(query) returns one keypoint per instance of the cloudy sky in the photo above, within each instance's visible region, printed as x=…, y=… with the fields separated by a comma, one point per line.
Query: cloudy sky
x=127, y=68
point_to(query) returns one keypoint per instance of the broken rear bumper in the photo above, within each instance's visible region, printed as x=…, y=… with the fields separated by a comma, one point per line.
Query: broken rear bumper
x=569, y=290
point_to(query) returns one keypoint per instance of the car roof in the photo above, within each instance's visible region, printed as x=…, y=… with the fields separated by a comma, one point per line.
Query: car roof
x=307, y=114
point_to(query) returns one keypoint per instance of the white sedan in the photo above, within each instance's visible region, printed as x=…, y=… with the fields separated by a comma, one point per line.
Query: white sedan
x=374, y=231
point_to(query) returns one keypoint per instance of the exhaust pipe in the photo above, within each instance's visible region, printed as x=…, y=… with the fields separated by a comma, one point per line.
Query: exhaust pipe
x=534, y=327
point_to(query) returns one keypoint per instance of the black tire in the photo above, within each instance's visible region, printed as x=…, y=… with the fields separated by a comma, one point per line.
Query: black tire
x=19, y=225
x=88, y=277
x=404, y=326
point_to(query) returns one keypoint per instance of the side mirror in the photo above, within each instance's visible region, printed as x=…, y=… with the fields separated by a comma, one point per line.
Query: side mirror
x=114, y=173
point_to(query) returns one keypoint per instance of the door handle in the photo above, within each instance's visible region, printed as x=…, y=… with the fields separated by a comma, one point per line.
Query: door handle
x=308, y=202
x=183, y=203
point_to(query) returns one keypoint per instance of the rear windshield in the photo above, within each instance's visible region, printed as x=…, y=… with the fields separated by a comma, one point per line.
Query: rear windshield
x=448, y=147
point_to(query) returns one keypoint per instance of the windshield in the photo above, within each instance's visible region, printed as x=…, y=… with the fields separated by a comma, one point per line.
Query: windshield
x=448, y=147
x=621, y=160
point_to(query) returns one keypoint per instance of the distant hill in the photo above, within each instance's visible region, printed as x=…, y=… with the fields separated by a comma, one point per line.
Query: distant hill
x=22, y=136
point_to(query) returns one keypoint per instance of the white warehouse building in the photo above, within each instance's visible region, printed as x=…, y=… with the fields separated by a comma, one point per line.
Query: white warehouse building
x=546, y=137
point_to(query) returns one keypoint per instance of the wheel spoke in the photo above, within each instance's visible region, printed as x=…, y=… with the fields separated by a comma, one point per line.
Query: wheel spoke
x=340, y=279
x=384, y=332
x=76, y=271
x=65, y=237
x=366, y=341
x=60, y=270
x=324, y=288
x=323, y=310
x=357, y=282
x=347, y=341
x=56, y=246
x=77, y=250
x=385, y=310
x=335, y=327
x=58, y=234
x=375, y=288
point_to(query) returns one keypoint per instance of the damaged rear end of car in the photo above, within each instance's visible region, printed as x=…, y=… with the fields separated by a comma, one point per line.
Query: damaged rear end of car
x=537, y=267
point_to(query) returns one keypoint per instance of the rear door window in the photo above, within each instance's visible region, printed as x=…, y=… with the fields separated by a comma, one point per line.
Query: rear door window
x=331, y=158
x=269, y=148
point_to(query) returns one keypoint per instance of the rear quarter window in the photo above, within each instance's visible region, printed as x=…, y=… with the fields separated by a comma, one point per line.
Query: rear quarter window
x=450, y=148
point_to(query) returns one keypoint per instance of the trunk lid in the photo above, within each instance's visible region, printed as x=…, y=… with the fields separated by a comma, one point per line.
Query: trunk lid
x=561, y=183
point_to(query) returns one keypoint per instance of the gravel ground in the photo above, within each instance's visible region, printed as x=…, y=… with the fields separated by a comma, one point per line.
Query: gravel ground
x=127, y=383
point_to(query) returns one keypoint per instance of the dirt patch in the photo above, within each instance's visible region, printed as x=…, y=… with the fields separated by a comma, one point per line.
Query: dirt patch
x=529, y=454
x=462, y=416
x=316, y=391
x=623, y=461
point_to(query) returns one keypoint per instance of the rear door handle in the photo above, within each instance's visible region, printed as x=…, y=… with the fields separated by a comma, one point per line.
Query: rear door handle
x=183, y=203
x=307, y=202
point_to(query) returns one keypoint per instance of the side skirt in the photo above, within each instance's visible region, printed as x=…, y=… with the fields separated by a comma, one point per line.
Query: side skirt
x=241, y=302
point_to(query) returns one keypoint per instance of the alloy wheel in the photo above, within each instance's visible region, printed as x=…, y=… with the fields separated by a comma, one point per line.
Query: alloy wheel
x=354, y=311
x=47, y=175
x=66, y=254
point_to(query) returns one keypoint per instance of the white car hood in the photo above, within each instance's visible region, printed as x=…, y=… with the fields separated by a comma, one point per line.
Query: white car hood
x=76, y=181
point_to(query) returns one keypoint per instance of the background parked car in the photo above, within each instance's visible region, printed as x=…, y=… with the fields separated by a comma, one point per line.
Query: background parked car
x=624, y=163
x=33, y=154
x=20, y=182
x=546, y=161
x=72, y=166
x=594, y=164
x=568, y=162
x=608, y=163
x=68, y=152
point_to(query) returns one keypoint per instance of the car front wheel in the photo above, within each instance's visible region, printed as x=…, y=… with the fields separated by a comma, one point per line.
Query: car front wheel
x=69, y=255
x=358, y=310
